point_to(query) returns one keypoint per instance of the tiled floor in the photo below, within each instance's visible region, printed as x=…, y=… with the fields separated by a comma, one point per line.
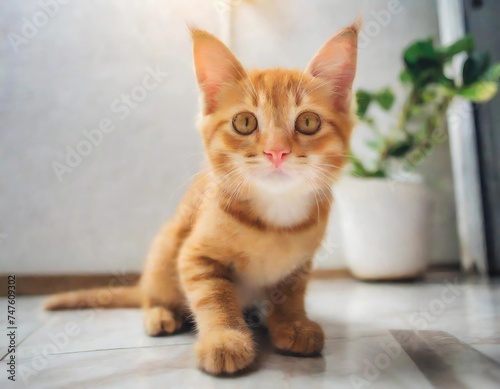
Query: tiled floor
x=441, y=333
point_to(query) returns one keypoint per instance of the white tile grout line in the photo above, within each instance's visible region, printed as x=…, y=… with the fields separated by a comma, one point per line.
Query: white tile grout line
x=109, y=349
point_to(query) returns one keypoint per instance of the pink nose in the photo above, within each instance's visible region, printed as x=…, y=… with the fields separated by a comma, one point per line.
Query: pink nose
x=277, y=156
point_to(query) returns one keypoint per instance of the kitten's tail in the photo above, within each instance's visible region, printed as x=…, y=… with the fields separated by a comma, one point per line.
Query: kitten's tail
x=120, y=297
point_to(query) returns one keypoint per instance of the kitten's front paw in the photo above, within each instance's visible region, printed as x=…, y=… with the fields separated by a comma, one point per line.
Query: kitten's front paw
x=225, y=351
x=300, y=337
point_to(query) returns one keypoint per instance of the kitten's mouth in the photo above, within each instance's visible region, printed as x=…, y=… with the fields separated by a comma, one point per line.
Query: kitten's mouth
x=277, y=174
x=270, y=175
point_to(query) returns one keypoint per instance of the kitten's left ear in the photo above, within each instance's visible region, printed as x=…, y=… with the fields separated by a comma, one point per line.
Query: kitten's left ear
x=336, y=63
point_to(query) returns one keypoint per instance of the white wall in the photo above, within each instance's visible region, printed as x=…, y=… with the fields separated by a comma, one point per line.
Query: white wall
x=65, y=79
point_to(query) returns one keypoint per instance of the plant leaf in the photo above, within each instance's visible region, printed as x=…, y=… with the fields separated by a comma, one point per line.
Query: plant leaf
x=446, y=82
x=377, y=174
x=385, y=98
x=420, y=50
x=464, y=44
x=405, y=76
x=493, y=73
x=480, y=91
x=475, y=66
x=357, y=167
x=423, y=62
x=363, y=99
x=400, y=149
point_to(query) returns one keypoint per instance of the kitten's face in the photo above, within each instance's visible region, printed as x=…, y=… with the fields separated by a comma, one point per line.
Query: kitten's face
x=277, y=129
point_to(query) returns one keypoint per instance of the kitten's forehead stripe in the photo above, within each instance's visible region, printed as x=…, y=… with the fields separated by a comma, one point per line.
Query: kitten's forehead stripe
x=279, y=90
x=298, y=97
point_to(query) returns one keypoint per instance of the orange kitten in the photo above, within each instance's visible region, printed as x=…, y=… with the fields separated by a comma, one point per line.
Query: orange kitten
x=275, y=141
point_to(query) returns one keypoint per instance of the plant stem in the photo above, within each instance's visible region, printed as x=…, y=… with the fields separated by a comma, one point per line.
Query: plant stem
x=434, y=121
x=400, y=127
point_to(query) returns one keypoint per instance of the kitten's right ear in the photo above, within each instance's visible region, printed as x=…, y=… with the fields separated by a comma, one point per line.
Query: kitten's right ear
x=215, y=66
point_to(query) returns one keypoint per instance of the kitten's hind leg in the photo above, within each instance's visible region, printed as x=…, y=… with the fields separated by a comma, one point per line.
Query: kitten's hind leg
x=159, y=320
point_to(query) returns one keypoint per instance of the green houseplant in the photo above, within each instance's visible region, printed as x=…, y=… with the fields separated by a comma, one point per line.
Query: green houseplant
x=386, y=215
x=430, y=92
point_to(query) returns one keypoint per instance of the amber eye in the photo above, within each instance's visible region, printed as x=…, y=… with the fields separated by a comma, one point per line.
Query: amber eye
x=245, y=123
x=307, y=123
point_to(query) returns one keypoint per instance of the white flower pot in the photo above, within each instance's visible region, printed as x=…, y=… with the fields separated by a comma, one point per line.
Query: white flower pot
x=385, y=226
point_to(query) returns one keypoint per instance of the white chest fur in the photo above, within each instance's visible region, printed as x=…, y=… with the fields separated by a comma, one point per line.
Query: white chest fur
x=284, y=208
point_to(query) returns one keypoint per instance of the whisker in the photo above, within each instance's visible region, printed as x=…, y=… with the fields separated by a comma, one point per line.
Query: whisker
x=315, y=196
